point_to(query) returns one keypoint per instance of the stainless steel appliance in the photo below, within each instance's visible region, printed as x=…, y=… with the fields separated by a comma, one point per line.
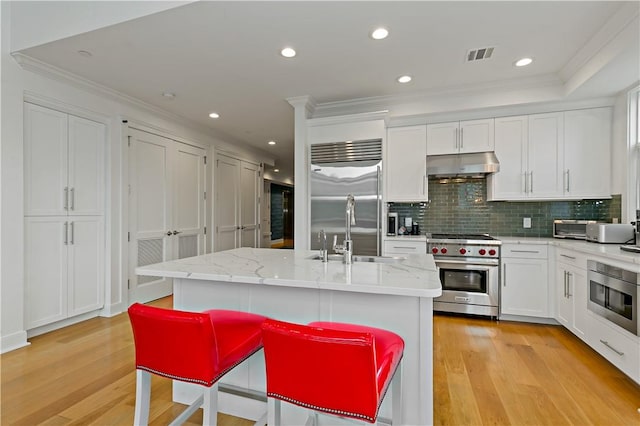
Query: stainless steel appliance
x=339, y=169
x=636, y=246
x=477, y=164
x=570, y=228
x=392, y=224
x=613, y=294
x=610, y=233
x=469, y=267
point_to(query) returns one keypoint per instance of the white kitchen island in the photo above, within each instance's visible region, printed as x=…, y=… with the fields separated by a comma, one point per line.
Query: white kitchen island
x=289, y=285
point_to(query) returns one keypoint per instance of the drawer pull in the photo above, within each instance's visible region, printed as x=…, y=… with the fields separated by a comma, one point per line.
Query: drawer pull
x=406, y=248
x=525, y=251
x=604, y=342
x=568, y=257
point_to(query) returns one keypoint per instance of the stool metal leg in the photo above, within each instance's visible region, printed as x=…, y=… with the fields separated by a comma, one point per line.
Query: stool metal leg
x=210, y=406
x=274, y=412
x=143, y=397
x=396, y=396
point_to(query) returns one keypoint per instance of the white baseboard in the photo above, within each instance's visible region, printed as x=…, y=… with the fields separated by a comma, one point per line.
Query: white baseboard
x=524, y=318
x=61, y=324
x=13, y=341
x=113, y=310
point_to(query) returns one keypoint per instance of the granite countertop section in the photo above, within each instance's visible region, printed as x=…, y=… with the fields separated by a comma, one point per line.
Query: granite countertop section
x=611, y=251
x=414, y=276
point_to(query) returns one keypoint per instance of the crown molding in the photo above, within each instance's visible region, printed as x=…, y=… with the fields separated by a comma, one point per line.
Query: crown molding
x=606, y=36
x=306, y=101
x=350, y=118
x=354, y=106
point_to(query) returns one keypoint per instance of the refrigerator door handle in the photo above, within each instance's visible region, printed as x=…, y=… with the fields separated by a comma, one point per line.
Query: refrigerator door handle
x=378, y=208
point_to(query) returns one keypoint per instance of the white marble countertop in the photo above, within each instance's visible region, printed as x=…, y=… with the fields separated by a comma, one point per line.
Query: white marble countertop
x=415, y=276
x=611, y=251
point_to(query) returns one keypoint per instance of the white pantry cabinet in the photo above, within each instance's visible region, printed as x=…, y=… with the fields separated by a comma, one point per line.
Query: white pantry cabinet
x=64, y=274
x=406, y=164
x=525, y=282
x=571, y=292
x=64, y=159
x=63, y=162
x=460, y=137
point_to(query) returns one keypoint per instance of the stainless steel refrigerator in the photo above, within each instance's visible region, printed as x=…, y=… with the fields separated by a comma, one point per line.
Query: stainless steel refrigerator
x=339, y=169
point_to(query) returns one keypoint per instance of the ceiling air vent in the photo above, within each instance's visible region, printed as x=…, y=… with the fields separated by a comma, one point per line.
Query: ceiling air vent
x=478, y=54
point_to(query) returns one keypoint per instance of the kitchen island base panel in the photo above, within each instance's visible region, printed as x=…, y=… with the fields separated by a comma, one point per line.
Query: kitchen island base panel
x=408, y=316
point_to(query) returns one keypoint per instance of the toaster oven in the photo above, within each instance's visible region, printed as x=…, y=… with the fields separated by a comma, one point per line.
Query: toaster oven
x=570, y=228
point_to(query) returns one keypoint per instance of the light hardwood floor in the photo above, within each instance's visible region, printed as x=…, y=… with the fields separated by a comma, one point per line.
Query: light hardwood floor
x=485, y=373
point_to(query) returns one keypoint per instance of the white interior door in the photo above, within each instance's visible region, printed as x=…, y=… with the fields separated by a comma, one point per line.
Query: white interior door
x=227, y=188
x=188, y=201
x=150, y=213
x=249, y=204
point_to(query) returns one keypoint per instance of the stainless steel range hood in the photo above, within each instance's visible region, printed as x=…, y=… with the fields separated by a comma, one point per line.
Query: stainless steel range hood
x=477, y=164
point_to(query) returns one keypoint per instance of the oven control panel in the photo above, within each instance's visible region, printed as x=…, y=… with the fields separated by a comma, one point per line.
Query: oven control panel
x=462, y=250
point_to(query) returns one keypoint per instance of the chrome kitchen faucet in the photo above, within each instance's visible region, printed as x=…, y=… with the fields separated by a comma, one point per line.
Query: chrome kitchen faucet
x=346, y=247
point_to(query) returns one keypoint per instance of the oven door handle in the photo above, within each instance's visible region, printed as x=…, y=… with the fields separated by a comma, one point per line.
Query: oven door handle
x=456, y=264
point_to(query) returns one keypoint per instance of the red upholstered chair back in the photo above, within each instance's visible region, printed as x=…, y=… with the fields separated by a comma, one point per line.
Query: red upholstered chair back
x=175, y=344
x=326, y=370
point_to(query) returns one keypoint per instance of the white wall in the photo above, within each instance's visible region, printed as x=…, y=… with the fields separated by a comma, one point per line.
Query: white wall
x=76, y=97
x=619, y=162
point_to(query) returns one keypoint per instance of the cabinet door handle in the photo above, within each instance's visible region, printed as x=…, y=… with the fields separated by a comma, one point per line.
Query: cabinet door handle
x=457, y=143
x=72, y=194
x=65, y=198
x=72, y=232
x=565, y=284
x=604, y=342
x=568, y=180
x=504, y=275
x=568, y=257
x=531, y=182
x=462, y=138
x=526, y=183
x=66, y=233
x=569, y=275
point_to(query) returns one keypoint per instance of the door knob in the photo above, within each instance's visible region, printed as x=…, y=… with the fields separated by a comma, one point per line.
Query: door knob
x=169, y=233
x=177, y=232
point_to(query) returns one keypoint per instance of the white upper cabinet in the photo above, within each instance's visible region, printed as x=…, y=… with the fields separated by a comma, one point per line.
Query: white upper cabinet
x=544, y=163
x=560, y=155
x=460, y=137
x=587, y=153
x=406, y=164
x=64, y=163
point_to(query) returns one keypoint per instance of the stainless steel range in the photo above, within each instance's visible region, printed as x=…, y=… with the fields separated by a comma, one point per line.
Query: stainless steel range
x=469, y=266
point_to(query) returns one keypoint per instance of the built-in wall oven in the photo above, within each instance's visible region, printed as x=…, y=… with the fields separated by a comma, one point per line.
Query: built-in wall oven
x=469, y=268
x=614, y=294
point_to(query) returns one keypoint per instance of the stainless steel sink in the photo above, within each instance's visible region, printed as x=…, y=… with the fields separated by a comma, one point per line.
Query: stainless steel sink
x=359, y=258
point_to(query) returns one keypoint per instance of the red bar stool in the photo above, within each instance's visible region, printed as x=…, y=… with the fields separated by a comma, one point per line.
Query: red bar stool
x=335, y=368
x=191, y=347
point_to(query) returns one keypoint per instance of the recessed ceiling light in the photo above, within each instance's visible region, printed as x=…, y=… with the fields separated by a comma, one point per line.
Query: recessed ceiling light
x=288, y=52
x=523, y=62
x=214, y=115
x=271, y=142
x=379, y=33
x=85, y=53
x=276, y=170
x=404, y=79
x=169, y=95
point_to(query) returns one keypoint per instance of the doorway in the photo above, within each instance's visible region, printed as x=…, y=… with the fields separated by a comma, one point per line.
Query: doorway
x=282, y=212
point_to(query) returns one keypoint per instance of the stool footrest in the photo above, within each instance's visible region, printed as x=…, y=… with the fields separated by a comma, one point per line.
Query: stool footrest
x=188, y=412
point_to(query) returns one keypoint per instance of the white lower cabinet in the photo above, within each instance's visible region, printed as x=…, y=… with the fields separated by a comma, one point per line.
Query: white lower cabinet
x=524, y=282
x=571, y=292
x=618, y=347
x=64, y=264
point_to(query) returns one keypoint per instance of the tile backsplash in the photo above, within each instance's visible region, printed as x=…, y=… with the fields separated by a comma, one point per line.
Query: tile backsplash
x=462, y=207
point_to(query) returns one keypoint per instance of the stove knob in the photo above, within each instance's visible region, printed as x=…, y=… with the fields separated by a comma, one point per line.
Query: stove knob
x=482, y=252
x=492, y=252
x=463, y=251
x=443, y=251
x=435, y=250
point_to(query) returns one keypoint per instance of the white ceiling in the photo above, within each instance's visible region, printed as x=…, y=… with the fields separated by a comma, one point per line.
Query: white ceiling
x=224, y=56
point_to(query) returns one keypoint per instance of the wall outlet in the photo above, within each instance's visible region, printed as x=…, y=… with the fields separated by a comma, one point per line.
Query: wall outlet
x=615, y=220
x=526, y=222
